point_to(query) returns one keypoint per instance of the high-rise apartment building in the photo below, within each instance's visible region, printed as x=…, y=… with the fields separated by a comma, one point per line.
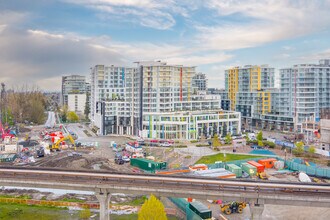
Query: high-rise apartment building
x=200, y=81
x=128, y=94
x=74, y=89
x=305, y=91
x=250, y=90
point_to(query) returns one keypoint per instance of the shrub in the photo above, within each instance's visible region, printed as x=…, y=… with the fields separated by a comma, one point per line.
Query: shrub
x=193, y=141
x=180, y=146
x=202, y=145
x=85, y=214
x=269, y=144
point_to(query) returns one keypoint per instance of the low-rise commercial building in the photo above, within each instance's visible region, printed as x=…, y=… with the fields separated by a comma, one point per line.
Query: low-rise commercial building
x=190, y=125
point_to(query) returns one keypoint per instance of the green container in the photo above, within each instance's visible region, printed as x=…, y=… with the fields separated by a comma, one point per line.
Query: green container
x=147, y=165
x=251, y=170
x=201, y=210
x=235, y=169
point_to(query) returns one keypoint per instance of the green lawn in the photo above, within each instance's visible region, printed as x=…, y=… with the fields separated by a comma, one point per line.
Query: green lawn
x=29, y=212
x=134, y=217
x=219, y=157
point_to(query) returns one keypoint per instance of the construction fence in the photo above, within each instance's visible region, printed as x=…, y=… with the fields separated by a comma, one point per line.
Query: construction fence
x=290, y=164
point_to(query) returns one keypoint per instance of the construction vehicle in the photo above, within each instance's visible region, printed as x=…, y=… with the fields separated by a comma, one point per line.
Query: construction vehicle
x=57, y=146
x=263, y=175
x=233, y=207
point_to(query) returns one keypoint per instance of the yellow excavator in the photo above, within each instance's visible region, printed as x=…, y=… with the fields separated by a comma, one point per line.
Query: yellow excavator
x=57, y=146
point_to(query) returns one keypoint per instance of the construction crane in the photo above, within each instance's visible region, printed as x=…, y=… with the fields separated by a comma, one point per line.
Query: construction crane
x=57, y=146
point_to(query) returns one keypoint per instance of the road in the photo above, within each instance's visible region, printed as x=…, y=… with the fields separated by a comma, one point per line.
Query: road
x=51, y=120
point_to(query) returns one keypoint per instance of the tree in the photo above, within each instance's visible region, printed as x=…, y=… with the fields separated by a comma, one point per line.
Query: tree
x=64, y=113
x=87, y=107
x=259, y=136
x=311, y=150
x=299, y=148
x=72, y=117
x=85, y=214
x=228, y=138
x=260, y=144
x=215, y=141
x=152, y=209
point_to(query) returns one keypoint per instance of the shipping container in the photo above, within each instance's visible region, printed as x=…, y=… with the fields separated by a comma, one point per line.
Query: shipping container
x=200, y=209
x=260, y=167
x=147, y=165
x=248, y=168
x=268, y=163
x=235, y=169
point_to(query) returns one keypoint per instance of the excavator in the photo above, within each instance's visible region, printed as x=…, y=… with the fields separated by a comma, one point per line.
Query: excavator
x=57, y=146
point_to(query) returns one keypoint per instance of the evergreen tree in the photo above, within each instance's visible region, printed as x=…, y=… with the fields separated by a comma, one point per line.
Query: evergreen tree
x=152, y=209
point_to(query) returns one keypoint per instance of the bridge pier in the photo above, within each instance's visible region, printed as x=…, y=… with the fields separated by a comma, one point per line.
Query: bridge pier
x=256, y=209
x=103, y=196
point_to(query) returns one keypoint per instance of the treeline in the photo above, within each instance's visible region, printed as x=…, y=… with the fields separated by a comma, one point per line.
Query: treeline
x=22, y=105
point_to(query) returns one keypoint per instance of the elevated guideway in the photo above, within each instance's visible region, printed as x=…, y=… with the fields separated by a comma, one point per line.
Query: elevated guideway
x=256, y=193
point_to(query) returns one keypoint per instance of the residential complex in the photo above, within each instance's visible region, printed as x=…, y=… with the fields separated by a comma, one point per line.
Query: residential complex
x=305, y=92
x=129, y=99
x=200, y=81
x=250, y=90
x=74, y=89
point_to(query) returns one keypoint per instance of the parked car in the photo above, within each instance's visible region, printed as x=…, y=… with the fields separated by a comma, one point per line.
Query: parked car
x=126, y=159
x=119, y=161
x=165, y=144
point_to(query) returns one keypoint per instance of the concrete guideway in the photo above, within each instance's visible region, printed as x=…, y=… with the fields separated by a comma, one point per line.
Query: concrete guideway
x=103, y=183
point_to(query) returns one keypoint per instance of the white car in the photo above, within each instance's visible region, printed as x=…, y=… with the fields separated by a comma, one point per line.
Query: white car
x=166, y=144
x=126, y=159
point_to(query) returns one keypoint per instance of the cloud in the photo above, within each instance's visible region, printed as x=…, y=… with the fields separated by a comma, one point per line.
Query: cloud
x=325, y=54
x=264, y=22
x=43, y=57
x=149, y=13
x=35, y=56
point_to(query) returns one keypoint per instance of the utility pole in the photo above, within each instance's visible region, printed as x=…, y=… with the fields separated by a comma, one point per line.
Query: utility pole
x=2, y=100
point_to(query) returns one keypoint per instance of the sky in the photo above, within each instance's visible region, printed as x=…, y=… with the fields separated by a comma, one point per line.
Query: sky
x=42, y=40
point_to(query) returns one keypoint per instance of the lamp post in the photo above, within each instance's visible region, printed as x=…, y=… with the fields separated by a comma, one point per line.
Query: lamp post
x=285, y=154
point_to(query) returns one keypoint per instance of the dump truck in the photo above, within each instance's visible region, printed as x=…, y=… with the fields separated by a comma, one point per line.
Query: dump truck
x=233, y=207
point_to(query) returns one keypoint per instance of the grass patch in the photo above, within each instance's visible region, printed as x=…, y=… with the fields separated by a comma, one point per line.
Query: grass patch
x=193, y=141
x=135, y=202
x=135, y=217
x=32, y=212
x=16, y=197
x=219, y=157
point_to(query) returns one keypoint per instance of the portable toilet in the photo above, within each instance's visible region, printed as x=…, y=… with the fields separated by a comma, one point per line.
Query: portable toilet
x=260, y=167
x=248, y=168
x=235, y=169
x=268, y=163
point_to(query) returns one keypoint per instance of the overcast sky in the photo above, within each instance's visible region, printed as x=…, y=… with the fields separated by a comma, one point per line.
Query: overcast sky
x=41, y=40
